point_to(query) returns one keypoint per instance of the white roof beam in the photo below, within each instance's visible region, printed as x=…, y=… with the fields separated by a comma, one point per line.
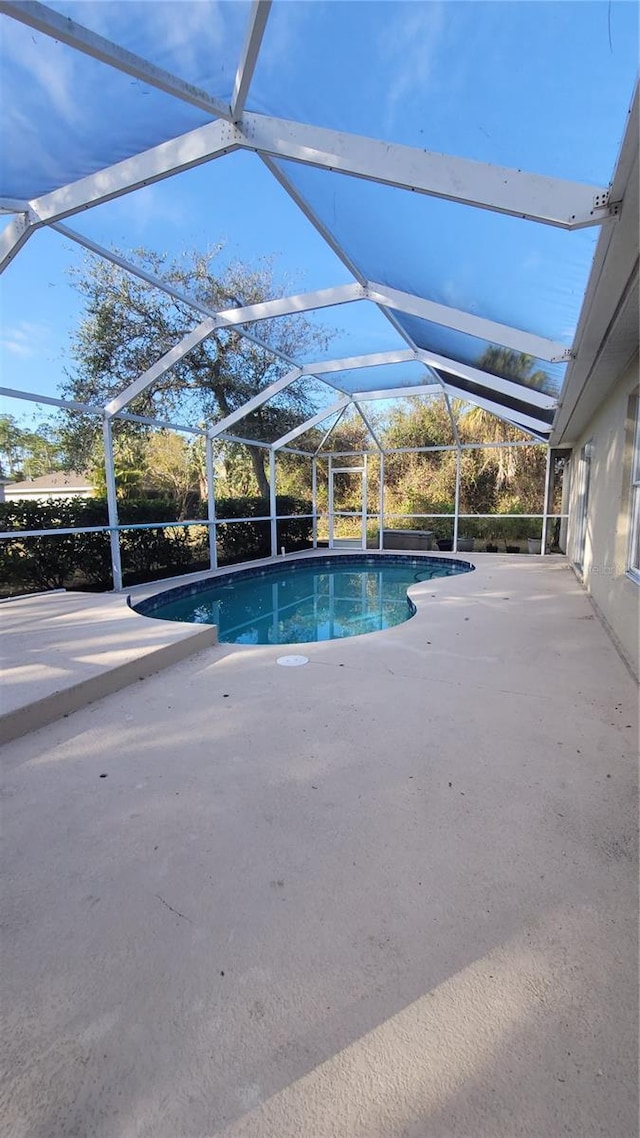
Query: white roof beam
x=227, y=317
x=566, y=204
x=539, y=436
x=227, y=438
x=488, y=379
x=255, y=31
x=313, y=422
x=66, y=30
x=515, y=418
x=130, y=267
x=467, y=322
x=158, y=369
x=164, y=286
x=179, y=154
x=368, y=426
x=398, y=392
x=164, y=424
x=50, y=400
x=251, y=404
x=336, y=247
x=553, y=201
x=13, y=237
x=395, y=323
x=327, y=435
x=373, y=359
x=14, y=205
x=339, y=295
x=92, y=409
x=288, y=305
x=312, y=216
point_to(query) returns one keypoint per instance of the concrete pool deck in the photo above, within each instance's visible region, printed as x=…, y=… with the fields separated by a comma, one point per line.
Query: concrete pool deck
x=390, y=894
x=61, y=651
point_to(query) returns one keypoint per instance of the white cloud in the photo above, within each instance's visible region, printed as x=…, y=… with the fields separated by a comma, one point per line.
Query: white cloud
x=285, y=36
x=150, y=206
x=51, y=69
x=409, y=48
x=25, y=339
x=181, y=34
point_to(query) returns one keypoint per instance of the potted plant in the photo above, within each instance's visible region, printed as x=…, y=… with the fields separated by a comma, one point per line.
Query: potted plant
x=487, y=529
x=470, y=530
x=442, y=534
x=512, y=528
x=534, y=540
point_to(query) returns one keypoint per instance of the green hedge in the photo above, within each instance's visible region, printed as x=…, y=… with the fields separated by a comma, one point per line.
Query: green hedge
x=83, y=561
x=245, y=541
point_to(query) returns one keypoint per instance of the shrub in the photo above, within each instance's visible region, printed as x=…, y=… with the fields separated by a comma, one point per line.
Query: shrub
x=246, y=541
x=52, y=562
x=83, y=560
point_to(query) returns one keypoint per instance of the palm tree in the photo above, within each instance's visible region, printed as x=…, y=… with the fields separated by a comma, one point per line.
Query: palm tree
x=517, y=366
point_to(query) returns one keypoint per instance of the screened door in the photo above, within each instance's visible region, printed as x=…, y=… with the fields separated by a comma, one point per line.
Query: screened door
x=348, y=507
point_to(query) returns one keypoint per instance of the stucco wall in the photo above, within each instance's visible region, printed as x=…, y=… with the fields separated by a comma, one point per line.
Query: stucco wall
x=604, y=570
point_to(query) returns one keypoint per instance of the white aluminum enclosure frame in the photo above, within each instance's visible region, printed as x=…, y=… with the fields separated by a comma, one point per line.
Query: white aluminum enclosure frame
x=536, y=197
x=212, y=521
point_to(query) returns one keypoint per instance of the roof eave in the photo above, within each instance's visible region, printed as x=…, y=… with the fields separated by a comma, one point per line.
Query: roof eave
x=609, y=299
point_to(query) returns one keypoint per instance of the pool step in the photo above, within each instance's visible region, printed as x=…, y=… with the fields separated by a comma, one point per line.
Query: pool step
x=58, y=704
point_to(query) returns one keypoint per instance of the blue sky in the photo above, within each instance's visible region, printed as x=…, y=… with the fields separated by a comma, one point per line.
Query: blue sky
x=543, y=86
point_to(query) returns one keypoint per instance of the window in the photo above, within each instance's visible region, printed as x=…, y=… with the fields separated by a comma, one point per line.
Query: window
x=582, y=505
x=633, y=560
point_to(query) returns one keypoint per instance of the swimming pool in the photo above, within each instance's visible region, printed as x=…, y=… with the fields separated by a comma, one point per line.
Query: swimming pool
x=315, y=598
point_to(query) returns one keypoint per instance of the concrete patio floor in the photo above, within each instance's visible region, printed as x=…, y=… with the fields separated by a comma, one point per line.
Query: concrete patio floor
x=62, y=650
x=390, y=894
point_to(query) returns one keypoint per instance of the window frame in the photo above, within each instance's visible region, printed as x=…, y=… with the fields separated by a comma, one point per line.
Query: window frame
x=633, y=548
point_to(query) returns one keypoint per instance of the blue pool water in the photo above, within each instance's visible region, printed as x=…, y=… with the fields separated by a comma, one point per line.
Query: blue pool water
x=308, y=600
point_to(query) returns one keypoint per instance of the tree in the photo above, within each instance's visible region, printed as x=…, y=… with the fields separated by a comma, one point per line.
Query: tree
x=509, y=479
x=420, y=483
x=28, y=453
x=517, y=366
x=128, y=461
x=171, y=466
x=128, y=325
x=11, y=447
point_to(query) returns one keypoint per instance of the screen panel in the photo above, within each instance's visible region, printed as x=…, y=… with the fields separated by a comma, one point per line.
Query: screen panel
x=196, y=40
x=520, y=273
x=54, y=128
x=510, y=84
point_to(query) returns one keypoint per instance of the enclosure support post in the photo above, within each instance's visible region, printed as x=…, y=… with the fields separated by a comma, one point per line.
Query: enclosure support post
x=381, y=504
x=211, y=505
x=112, y=504
x=330, y=473
x=457, y=504
x=273, y=507
x=314, y=501
x=365, y=497
x=545, y=508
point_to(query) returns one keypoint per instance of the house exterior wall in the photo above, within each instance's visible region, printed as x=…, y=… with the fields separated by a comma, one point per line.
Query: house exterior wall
x=45, y=494
x=601, y=556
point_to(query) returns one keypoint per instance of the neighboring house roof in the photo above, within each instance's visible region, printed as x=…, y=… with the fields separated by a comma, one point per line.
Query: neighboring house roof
x=59, y=480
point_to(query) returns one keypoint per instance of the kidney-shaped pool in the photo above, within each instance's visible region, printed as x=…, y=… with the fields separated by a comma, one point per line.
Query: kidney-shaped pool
x=311, y=599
